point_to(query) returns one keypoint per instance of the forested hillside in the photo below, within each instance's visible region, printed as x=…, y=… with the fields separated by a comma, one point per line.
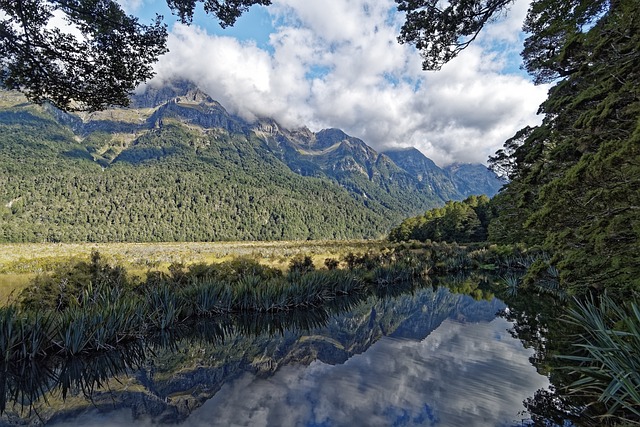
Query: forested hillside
x=574, y=181
x=178, y=167
x=462, y=222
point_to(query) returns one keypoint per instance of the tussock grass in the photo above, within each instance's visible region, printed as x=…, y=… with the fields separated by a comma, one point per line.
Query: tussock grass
x=43, y=257
x=19, y=263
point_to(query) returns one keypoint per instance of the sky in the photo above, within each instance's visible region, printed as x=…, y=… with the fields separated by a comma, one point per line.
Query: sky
x=337, y=64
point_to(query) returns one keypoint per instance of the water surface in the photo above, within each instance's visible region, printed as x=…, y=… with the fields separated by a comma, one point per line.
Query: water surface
x=431, y=358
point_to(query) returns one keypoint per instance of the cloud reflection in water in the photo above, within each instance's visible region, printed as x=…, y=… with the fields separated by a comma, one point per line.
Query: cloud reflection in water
x=461, y=374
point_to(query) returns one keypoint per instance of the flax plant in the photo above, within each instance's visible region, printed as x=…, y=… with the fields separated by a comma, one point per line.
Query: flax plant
x=163, y=307
x=609, y=356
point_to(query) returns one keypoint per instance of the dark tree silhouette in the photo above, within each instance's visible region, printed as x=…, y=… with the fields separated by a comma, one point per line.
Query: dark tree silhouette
x=98, y=59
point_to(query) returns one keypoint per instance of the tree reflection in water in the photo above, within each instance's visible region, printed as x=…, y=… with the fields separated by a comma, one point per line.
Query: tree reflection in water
x=170, y=374
x=24, y=385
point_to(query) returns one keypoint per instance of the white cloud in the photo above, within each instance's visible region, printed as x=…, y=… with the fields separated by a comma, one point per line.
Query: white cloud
x=463, y=372
x=336, y=63
x=460, y=372
x=130, y=6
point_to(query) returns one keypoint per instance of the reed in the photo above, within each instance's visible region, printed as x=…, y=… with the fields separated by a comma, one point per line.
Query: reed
x=208, y=297
x=75, y=331
x=24, y=335
x=391, y=275
x=511, y=282
x=93, y=307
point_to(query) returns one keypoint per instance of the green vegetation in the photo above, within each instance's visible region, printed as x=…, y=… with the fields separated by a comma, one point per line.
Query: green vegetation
x=118, y=51
x=178, y=167
x=573, y=193
x=574, y=190
x=461, y=222
x=162, y=189
x=575, y=179
x=126, y=182
x=189, y=363
x=28, y=258
x=85, y=307
x=610, y=370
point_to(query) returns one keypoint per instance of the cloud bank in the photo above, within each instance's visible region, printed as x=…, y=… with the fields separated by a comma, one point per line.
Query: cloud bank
x=336, y=63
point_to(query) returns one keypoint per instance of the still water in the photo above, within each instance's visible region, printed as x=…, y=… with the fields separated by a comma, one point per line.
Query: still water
x=429, y=358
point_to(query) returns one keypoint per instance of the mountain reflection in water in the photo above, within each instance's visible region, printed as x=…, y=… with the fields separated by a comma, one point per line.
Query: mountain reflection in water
x=426, y=358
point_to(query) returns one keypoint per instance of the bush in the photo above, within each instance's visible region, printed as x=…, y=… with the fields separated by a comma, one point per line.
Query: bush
x=301, y=264
x=331, y=263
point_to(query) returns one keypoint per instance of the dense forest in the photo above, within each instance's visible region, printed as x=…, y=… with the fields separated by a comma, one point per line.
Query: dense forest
x=463, y=222
x=179, y=198
x=574, y=181
x=189, y=171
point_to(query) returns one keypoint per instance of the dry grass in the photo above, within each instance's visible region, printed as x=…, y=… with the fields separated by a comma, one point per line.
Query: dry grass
x=19, y=262
x=12, y=283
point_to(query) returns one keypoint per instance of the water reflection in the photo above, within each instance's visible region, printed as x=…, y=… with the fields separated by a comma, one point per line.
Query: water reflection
x=429, y=357
x=461, y=374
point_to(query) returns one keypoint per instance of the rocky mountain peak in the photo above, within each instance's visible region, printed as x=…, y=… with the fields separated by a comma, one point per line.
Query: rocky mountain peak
x=195, y=96
x=266, y=126
x=153, y=96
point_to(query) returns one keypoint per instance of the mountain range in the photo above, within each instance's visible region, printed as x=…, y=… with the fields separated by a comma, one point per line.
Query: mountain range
x=176, y=166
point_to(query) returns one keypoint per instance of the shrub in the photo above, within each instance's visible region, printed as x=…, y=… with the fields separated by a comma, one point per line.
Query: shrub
x=331, y=263
x=608, y=358
x=301, y=264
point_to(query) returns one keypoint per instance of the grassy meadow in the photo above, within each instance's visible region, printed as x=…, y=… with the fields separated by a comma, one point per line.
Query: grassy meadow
x=19, y=262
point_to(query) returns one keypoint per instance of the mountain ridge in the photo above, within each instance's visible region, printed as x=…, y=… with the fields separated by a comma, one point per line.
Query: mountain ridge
x=230, y=179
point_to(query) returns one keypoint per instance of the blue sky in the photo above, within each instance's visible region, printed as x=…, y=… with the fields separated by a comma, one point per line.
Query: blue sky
x=336, y=63
x=254, y=25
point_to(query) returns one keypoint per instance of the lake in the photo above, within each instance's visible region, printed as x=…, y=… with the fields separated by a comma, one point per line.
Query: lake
x=431, y=357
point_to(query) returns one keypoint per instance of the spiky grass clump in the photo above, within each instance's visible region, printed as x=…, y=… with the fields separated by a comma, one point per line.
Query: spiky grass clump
x=609, y=356
x=208, y=297
x=24, y=335
x=164, y=307
x=511, y=282
x=93, y=307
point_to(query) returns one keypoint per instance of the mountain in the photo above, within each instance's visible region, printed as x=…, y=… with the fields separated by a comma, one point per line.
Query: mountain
x=472, y=178
x=177, y=166
x=429, y=176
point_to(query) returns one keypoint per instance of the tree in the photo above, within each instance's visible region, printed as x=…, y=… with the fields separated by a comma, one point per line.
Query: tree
x=462, y=222
x=574, y=183
x=440, y=31
x=575, y=179
x=556, y=30
x=102, y=56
